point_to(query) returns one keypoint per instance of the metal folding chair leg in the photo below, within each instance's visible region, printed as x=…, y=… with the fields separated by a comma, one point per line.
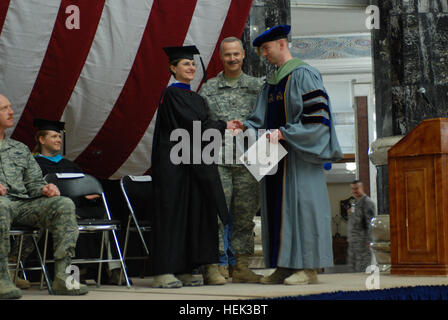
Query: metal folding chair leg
x=44, y=260
x=126, y=241
x=19, y=258
x=44, y=268
x=23, y=270
x=100, y=264
x=125, y=249
x=19, y=264
x=123, y=265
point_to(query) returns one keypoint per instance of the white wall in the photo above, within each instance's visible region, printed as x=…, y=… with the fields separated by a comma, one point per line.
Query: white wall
x=325, y=17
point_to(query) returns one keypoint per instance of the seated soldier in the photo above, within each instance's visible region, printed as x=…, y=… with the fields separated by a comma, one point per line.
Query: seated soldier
x=26, y=199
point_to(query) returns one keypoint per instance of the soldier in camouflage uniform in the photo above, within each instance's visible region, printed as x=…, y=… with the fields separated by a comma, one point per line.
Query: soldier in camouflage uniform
x=25, y=198
x=358, y=229
x=232, y=95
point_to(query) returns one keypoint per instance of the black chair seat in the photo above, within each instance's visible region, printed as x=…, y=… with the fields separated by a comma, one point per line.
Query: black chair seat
x=97, y=222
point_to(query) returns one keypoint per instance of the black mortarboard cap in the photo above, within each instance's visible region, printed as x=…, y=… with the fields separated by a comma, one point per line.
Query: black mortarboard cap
x=271, y=34
x=185, y=52
x=44, y=124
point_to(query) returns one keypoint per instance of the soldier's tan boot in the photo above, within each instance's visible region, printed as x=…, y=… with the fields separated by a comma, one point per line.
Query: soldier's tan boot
x=242, y=273
x=302, y=277
x=20, y=283
x=7, y=289
x=277, y=277
x=224, y=271
x=211, y=275
x=65, y=283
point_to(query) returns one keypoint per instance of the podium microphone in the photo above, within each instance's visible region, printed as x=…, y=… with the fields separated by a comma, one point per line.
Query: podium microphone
x=422, y=91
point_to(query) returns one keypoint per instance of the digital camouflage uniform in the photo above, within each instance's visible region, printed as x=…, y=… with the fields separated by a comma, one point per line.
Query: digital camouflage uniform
x=229, y=102
x=358, y=233
x=24, y=204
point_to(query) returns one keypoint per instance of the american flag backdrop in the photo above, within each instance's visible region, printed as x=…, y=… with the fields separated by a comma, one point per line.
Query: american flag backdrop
x=99, y=66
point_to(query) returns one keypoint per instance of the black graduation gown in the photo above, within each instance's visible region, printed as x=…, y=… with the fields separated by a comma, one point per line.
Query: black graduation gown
x=188, y=197
x=63, y=166
x=85, y=208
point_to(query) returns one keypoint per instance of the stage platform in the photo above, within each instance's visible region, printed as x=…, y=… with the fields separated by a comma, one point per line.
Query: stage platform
x=328, y=282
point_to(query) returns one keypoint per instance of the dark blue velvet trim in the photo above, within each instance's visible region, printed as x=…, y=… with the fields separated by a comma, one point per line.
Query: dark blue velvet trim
x=314, y=94
x=181, y=85
x=316, y=119
x=316, y=107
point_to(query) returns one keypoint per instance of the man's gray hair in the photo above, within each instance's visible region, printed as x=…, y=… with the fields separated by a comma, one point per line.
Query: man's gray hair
x=230, y=39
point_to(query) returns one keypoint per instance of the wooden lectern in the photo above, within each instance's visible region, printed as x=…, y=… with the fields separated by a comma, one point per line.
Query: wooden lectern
x=418, y=197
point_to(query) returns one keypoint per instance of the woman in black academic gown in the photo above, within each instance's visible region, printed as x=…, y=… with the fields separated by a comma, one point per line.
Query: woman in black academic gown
x=47, y=152
x=188, y=196
x=48, y=148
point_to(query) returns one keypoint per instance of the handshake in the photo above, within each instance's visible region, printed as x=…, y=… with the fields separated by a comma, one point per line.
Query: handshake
x=235, y=125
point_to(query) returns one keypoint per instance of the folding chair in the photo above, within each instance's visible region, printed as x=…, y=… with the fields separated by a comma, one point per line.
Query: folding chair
x=21, y=232
x=78, y=185
x=137, y=191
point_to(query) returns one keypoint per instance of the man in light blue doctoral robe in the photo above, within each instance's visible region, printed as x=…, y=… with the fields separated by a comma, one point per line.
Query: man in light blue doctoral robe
x=295, y=209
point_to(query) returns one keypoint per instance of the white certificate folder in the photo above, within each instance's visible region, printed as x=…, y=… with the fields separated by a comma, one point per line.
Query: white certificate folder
x=261, y=158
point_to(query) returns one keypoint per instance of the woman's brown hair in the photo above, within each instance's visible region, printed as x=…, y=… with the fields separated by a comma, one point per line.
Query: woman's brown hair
x=38, y=148
x=174, y=63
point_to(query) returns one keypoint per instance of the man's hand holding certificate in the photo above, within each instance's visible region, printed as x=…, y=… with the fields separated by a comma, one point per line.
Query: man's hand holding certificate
x=262, y=157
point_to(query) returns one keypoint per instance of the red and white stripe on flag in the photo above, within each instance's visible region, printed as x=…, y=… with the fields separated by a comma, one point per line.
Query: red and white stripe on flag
x=99, y=66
